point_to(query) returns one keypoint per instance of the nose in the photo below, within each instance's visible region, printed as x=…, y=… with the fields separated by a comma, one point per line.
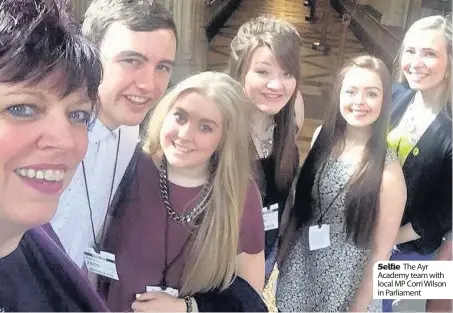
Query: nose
x=275, y=84
x=146, y=79
x=58, y=134
x=417, y=60
x=186, y=132
x=359, y=98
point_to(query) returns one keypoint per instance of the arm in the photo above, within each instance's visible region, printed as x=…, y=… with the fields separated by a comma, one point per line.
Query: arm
x=406, y=233
x=251, y=268
x=250, y=260
x=392, y=201
x=299, y=108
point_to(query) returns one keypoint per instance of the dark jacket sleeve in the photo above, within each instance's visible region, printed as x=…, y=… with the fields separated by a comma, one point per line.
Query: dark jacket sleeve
x=434, y=221
x=238, y=297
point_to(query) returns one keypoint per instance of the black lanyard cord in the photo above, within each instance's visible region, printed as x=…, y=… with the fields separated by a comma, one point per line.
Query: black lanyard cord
x=319, y=194
x=168, y=266
x=97, y=245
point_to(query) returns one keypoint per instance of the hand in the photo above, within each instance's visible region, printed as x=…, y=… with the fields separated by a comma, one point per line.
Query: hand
x=157, y=301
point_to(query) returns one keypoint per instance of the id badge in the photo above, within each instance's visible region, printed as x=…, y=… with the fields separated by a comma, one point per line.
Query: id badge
x=169, y=291
x=319, y=237
x=102, y=263
x=270, y=217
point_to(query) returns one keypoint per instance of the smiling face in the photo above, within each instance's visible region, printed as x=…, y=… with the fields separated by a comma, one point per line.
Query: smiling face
x=43, y=139
x=361, y=97
x=424, y=60
x=191, y=131
x=137, y=71
x=266, y=83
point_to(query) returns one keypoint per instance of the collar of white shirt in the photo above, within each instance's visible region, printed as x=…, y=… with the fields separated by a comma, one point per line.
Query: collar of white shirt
x=99, y=132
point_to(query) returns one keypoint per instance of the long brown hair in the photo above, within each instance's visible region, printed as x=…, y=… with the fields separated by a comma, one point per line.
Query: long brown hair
x=284, y=41
x=362, y=197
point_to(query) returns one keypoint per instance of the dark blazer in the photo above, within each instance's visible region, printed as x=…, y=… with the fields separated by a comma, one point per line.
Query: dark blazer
x=427, y=171
x=65, y=270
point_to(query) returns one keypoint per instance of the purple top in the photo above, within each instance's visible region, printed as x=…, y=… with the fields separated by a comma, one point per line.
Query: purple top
x=136, y=235
x=41, y=277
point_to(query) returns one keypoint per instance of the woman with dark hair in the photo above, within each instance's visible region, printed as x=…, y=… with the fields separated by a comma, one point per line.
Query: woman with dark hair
x=49, y=76
x=265, y=60
x=350, y=196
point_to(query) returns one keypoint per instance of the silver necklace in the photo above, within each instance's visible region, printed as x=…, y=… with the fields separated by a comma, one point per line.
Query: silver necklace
x=266, y=145
x=190, y=215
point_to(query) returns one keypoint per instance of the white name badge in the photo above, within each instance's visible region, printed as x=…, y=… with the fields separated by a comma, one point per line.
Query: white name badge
x=102, y=263
x=170, y=291
x=319, y=237
x=270, y=217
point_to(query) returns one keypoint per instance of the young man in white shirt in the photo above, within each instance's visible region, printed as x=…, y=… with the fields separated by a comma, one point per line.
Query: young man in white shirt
x=137, y=41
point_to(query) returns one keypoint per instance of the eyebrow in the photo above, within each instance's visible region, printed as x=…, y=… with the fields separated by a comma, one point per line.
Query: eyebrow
x=25, y=92
x=203, y=120
x=135, y=54
x=263, y=62
x=372, y=87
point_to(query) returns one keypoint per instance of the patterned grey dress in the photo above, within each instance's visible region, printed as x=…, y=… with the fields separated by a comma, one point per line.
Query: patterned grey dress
x=325, y=279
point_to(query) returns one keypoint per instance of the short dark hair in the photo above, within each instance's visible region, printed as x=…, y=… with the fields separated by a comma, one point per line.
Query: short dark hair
x=39, y=38
x=137, y=15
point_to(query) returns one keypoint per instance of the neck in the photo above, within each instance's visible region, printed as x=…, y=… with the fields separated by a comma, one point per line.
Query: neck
x=9, y=238
x=433, y=98
x=261, y=121
x=189, y=176
x=108, y=123
x=357, y=135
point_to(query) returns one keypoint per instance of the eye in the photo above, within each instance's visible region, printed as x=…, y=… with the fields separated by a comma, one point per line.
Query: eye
x=179, y=118
x=372, y=94
x=205, y=128
x=409, y=50
x=79, y=117
x=131, y=62
x=430, y=54
x=163, y=68
x=288, y=75
x=349, y=91
x=23, y=111
x=262, y=72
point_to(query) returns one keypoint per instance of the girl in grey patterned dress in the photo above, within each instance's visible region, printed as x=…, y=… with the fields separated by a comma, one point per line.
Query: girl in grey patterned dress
x=352, y=190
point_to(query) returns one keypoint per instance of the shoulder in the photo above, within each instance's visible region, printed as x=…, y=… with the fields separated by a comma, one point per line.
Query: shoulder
x=393, y=186
x=399, y=88
x=390, y=156
x=299, y=110
x=253, y=195
x=315, y=135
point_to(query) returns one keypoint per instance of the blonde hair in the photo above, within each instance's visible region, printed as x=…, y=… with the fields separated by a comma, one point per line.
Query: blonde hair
x=212, y=260
x=440, y=24
x=283, y=39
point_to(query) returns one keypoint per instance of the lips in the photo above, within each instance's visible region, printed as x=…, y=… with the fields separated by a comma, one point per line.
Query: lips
x=359, y=113
x=181, y=148
x=417, y=76
x=138, y=100
x=45, y=178
x=272, y=97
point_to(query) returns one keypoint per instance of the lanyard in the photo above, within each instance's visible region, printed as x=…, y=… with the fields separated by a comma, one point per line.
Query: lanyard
x=169, y=265
x=97, y=245
x=319, y=195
